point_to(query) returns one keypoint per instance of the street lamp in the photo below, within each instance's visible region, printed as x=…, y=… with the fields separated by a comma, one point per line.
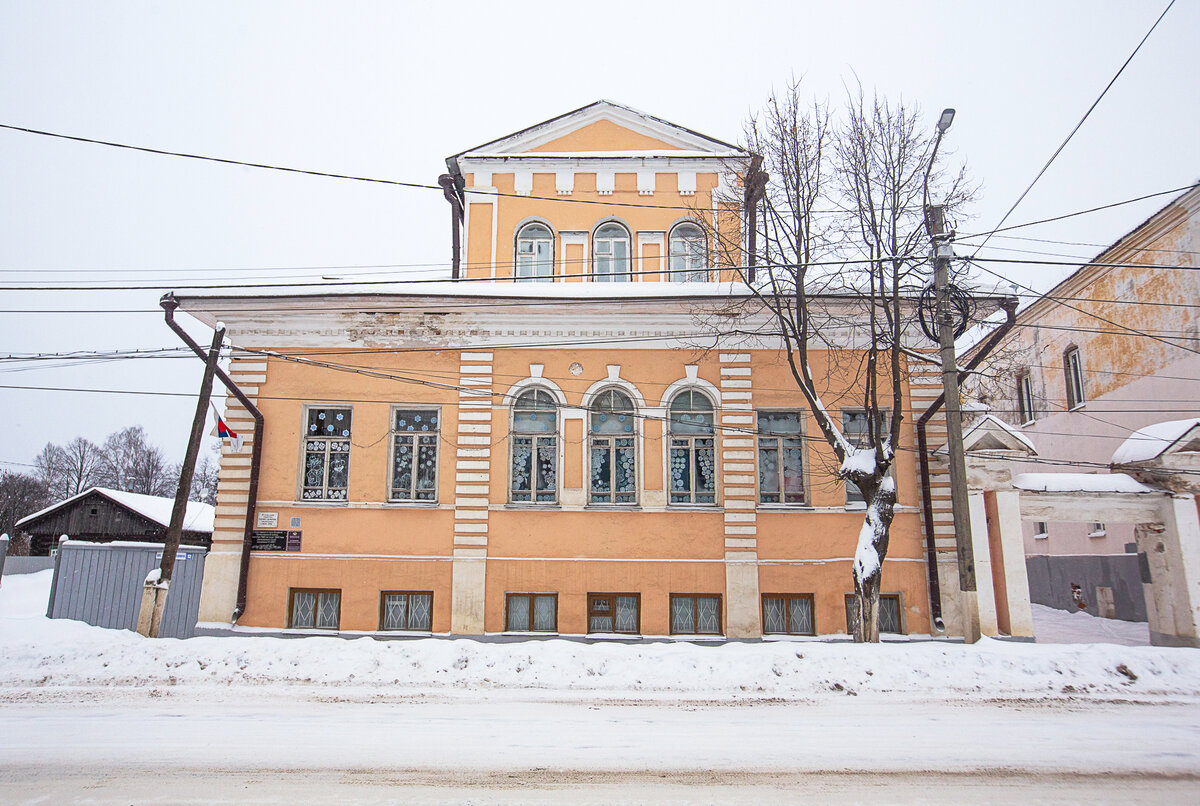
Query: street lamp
x=946, y=326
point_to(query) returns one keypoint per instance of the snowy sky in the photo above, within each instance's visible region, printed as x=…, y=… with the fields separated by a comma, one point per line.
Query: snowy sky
x=389, y=89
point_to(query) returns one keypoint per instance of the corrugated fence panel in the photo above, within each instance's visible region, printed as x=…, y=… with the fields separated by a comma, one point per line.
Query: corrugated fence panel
x=101, y=584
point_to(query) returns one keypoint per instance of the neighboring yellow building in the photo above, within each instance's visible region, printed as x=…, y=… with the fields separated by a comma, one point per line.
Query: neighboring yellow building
x=546, y=455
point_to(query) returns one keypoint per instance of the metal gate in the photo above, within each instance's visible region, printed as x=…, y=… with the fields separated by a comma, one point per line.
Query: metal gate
x=101, y=584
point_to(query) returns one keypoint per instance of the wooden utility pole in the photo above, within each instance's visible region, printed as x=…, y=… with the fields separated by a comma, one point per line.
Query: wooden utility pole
x=960, y=506
x=154, y=596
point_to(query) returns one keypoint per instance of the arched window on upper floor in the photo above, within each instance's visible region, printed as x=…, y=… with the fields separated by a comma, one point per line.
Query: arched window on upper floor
x=688, y=254
x=612, y=437
x=535, y=253
x=533, y=473
x=611, y=255
x=693, y=455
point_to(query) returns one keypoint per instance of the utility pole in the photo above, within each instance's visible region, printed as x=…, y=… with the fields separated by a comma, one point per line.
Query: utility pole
x=154, y=595
x=943, y=251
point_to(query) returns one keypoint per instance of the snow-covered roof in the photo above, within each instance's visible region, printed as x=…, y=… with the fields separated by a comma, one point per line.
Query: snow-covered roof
x=990, y=433
x=1081, y=483
x=197, y=518
x=402, y=287
x=1154, y=440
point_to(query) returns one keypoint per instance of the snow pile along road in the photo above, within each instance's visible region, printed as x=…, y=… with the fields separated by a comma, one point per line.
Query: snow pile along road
x=37, y=654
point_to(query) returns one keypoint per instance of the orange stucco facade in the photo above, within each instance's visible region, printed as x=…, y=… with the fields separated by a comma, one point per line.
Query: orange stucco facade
x=469, y=352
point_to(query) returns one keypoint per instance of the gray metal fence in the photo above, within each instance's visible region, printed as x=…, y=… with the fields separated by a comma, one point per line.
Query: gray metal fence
x=101, y=584
x=3, y=552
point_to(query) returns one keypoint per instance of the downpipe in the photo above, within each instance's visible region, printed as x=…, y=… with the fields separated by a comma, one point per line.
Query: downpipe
x=935, y=587
x=169, y=304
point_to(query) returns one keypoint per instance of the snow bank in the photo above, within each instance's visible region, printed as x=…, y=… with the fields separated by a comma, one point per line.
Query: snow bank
x=1152, y=441
x=1081, y=483
x=37, y=654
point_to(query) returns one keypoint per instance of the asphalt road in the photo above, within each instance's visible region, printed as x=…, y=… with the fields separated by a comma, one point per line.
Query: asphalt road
x=190, y=748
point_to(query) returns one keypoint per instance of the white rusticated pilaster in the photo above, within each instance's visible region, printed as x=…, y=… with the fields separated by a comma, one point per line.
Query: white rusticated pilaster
x=218, y=592
x=1016, y=577
x=986, y=591
x=1172, y=551
x=472, y=464
x=743, y=610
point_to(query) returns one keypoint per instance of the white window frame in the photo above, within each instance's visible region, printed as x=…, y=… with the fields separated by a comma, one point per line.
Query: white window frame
x=1073, y=375
x=884, y=414
x=688, y=273
x=535, y=268
x=606, y=245
x=395, y=436
x=1025, y=411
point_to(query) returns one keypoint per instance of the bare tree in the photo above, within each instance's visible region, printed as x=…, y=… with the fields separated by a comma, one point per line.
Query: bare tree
x=132, y=464
x=840, y=252
x=21, y=494
x=68, y=470
x=204, y=481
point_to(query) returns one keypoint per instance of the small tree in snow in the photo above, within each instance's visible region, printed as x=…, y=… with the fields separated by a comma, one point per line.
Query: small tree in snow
x=839, y=251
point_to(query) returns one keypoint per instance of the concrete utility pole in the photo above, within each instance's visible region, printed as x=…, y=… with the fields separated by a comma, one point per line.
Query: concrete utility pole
x=154, y=595
x=943, y=251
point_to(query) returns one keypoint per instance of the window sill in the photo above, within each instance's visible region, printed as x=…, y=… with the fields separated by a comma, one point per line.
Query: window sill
x=694, y=507
x=695, y=637
x=1041, y=536
x=410, y=504
x=412, y=633
x=786, y=507
x=612, y=636
x=320, y=503
x=1078, y=406
x=1097, y=534
x=544, y=505
x=532, y=633
x=614, y=507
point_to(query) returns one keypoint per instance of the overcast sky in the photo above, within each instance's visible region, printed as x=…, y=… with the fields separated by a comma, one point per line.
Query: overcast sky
x=390, y=89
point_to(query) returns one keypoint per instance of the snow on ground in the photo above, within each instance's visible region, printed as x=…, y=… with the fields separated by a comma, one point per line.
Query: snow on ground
x=1054, y=626
x=39, y=655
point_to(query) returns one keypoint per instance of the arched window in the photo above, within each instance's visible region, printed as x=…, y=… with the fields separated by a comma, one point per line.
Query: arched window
x=693, y=452
x=535, y=252
x=688, y=254
x=610, y=254
x=534, y=440
x=613, y=442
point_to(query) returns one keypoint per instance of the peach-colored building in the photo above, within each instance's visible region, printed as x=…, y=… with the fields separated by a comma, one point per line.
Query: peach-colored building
x=557, y=443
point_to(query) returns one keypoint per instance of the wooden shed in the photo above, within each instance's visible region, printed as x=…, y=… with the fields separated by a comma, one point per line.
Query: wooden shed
x=102, y=515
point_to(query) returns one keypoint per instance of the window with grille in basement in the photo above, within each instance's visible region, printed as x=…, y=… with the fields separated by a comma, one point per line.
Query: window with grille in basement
x=788, y=614
x=695, y=615
x=314, y=609
x=614, y=613
x=889, y=614
x=410, y=611
x=531, y=612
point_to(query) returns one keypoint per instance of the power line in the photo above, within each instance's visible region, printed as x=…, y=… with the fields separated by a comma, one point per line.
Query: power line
x=352, y=177
x=1078, y=125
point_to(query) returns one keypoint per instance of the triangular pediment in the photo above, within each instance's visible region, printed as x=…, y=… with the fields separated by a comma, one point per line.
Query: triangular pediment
x=603, y=127
x=990, y=434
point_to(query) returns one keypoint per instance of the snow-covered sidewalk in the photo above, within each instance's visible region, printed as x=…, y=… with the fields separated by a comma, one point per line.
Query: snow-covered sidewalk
x=41, y=657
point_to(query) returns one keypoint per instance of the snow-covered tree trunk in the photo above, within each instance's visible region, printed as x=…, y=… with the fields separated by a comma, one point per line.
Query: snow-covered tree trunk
x=869, y=554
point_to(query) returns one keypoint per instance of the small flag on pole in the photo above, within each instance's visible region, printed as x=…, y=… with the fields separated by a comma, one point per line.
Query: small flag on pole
x=225, y=432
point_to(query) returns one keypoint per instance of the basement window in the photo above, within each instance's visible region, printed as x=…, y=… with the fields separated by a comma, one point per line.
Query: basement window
x=1040, y=530
x=1098, y=530
x=314, y=609
x=889, y=614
